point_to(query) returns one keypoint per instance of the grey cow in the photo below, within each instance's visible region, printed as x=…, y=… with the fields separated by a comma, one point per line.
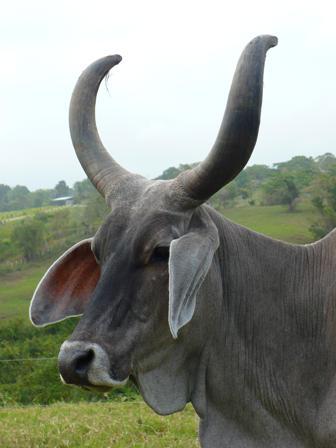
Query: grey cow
x=190, y=306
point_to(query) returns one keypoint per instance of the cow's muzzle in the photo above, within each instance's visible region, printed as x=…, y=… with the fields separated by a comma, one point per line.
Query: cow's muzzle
x=86, y=364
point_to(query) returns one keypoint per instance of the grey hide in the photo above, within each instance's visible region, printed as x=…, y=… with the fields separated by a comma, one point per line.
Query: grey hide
x=190, y=306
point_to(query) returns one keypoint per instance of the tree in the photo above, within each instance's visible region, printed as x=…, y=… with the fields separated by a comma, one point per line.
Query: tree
x=19, y=198
x=28, y=235
x=62, y=189
x=224, y=197
x=83, y=190
x=281, y=189
x=94, y=213
x=302, y=168
x=4, y=190
x=253, y=176
x=324, y=201
x=41, y=197
x=172, y=172
x=60, y=223
x=169, y=173
x=325, y=161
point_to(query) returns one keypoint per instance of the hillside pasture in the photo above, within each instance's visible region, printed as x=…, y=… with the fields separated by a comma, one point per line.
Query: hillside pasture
x=16, y=289
x=276, y=221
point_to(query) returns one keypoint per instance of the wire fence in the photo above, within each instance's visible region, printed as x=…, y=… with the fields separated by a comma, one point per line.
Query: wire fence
x=28, y=359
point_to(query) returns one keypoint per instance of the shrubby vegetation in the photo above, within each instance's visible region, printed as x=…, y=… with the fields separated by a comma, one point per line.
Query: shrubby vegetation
x=323, y=192
x=281, y=188
x=24, y=380
x=47, y=232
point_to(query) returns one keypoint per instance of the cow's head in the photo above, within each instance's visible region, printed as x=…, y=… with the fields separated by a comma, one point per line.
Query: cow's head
x=135, y=283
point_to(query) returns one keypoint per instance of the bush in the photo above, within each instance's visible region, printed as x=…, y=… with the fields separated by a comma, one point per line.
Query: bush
x=29, y=237
x=36, y=381
x=281, y=189
x=324, y=201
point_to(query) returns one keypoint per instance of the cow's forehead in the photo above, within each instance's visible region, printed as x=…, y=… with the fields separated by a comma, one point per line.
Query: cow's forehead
x=142, y=222
x=151, y=207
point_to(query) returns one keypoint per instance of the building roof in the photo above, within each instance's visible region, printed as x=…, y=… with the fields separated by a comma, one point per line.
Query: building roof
x=64, y=198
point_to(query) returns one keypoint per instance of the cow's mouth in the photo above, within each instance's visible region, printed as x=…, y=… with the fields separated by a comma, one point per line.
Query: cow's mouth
x=103, y=389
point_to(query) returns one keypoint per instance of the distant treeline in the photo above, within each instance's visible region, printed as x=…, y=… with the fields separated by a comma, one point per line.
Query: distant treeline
x=286, y=183
x=19, y=197
x=283, y=183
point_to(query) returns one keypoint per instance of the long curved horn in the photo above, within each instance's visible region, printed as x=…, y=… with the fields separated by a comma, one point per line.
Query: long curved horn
x=238, y=132
x=103, y=171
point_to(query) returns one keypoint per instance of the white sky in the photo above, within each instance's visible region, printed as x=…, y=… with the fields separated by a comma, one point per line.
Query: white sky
x=167, y=97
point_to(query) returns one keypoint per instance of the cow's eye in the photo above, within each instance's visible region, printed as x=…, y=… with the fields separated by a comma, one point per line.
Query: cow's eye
x=160, y=253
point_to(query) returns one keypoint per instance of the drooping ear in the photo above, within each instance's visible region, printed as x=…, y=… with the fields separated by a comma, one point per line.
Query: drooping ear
x=66, y=287
x=189, y=262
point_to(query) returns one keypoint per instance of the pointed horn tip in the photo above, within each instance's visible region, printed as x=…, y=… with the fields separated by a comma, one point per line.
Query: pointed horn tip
x=265, y=41
x=117, y=58
x=113, y=59
x=273, y=41
x=102, y=66
x=99, y=69
x=269, y=40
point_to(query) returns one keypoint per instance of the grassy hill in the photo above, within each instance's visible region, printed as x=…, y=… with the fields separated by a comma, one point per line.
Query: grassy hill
x=16, y=289
x=276, y=221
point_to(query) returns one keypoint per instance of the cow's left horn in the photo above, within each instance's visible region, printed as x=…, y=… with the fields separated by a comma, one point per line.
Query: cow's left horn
x=238, y=132
x=104, y=172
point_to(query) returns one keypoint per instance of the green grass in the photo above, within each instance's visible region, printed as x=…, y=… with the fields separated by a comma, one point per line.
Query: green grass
x=98, y=425
x=276, y=221
x=16, y=290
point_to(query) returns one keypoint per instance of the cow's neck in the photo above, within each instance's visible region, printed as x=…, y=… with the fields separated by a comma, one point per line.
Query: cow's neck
x=270, y=375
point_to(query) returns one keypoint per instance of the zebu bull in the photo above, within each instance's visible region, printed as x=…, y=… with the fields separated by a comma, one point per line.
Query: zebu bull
x=191, y=306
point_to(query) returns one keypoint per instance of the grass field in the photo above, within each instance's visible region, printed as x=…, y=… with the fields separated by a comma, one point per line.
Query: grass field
x=99, y=425
x=276, y=221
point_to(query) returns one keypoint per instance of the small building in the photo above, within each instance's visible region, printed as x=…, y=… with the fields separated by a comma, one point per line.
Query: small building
x=65, y=200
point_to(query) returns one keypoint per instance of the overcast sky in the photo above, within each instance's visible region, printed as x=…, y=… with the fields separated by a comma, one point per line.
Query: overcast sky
x=165, y=101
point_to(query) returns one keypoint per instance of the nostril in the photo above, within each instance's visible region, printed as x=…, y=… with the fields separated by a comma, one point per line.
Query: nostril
x=84, y=364
x=83, y=361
